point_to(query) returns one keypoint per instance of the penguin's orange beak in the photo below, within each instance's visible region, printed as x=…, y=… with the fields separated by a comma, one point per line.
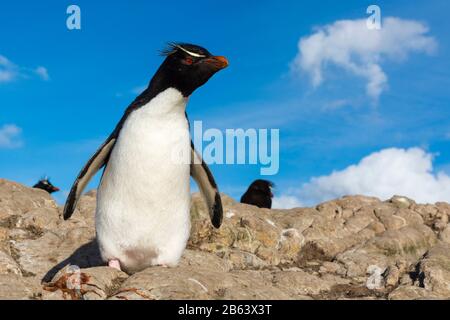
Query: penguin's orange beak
x=218, y=62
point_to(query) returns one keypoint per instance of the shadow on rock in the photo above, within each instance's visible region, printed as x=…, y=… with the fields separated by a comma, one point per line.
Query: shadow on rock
x=86, y=256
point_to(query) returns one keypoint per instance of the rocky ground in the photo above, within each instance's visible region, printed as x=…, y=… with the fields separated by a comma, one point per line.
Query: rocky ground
x=351, y=248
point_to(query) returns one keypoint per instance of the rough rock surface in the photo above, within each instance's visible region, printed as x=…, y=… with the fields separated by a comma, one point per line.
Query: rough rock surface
x=351, y=248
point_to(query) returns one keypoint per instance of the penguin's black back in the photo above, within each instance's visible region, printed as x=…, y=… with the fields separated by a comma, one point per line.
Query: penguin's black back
x=259, y=194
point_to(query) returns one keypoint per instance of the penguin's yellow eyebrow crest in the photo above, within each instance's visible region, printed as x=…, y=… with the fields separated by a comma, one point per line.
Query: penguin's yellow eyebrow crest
x=196, y=55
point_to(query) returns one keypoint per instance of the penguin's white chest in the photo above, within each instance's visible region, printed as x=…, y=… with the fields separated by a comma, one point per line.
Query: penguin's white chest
x=143, y=204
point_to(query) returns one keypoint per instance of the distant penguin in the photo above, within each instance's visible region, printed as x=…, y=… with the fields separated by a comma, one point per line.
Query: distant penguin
x=259, y=194
x=46, y=185
x=143, y=201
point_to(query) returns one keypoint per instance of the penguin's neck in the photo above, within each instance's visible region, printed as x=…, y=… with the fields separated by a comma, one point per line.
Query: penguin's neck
x=165, y=78
x=169, y=101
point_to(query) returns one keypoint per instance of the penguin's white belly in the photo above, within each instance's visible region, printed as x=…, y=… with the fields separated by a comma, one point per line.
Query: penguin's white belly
x=142, y=216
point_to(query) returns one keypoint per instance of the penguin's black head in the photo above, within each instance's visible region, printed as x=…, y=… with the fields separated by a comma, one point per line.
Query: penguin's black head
x=45, y=184
x=263, y=186
x=259, y=194
x=187, y=67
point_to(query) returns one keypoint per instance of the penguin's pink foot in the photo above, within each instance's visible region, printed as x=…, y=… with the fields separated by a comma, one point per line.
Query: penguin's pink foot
x=114, y=264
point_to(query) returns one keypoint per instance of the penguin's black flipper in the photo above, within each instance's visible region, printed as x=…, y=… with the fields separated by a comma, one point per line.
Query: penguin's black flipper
x=208, y=187
x=98, y=160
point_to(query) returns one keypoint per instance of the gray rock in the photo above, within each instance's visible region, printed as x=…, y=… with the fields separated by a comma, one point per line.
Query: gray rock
x=401, y=202
x=355, y=247
x=436, y=270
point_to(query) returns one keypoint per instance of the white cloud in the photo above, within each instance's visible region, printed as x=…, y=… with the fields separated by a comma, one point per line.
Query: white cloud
x=286, y=202
x=134, y=91
x=10, y=71
x=42, y=72
x=10, y=136
x=138, y=90
x=383, y=174
x=336, y=104
x=350, y=45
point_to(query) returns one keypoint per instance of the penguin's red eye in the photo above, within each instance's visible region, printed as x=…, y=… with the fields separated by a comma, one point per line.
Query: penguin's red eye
x=188, y=61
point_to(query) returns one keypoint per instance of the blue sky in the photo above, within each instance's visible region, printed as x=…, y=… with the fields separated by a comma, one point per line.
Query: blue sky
x=62, y=114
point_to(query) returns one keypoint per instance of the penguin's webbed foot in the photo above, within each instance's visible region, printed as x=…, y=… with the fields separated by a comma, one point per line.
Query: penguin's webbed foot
x=114, y=264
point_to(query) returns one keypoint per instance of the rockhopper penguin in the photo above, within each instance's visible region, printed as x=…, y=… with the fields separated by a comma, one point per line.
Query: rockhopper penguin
x=259, y=194
x=46, y=185
x=143, y=201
